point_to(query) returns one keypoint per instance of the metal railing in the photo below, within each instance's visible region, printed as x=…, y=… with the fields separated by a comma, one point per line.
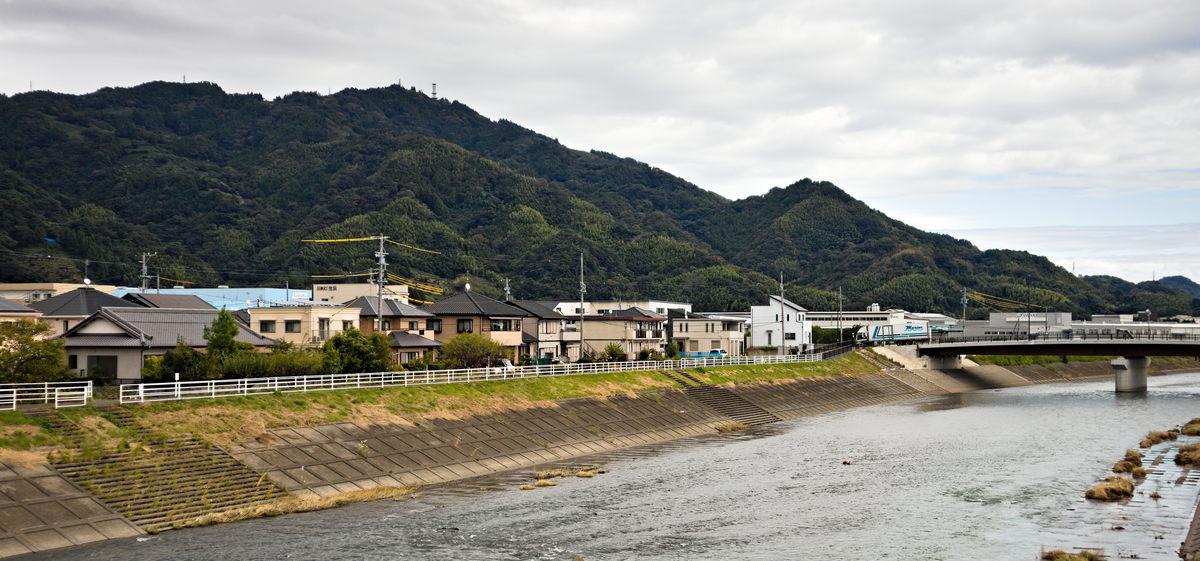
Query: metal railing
x=1073, y=336
x=61, y=394
x=202, y=389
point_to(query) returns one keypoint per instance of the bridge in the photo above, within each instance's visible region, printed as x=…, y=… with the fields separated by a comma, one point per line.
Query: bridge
x=1135, y=351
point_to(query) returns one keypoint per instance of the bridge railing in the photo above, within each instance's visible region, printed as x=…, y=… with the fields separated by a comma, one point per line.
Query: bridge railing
x=1074, y=336
x=201, y=389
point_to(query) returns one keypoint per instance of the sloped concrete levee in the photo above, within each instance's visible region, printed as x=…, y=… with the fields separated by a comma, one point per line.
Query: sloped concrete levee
x=813, y=396
x=41, y=510
x=342, y=457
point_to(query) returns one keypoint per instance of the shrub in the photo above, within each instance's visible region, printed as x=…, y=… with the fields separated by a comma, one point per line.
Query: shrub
x=1111, y=489
x=1059, y=555
x=1157, y=436
x=1189, y=455
x=1192, y=428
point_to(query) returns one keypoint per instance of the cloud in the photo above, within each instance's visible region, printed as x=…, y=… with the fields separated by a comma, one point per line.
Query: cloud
x=916, y=106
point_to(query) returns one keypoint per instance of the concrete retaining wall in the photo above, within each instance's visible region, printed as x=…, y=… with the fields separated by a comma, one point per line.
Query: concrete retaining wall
x=41, y=510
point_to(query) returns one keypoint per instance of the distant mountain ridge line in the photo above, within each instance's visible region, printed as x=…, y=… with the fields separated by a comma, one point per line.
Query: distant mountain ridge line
x=223, y=182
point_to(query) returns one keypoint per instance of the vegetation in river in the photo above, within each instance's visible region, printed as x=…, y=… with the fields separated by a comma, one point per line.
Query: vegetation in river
x=1191, y=428
x=1157, y=437
x=1189, y=455
x=1084, y=555
x=1132, y=460
x=731, y=426
x=291, y=504
x=1111, y=489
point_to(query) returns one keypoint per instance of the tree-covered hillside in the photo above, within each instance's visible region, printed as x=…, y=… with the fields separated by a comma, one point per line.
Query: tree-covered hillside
x=225, y=186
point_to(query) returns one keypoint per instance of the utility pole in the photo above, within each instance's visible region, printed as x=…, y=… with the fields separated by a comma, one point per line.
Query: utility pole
x=782, y=316
x=382, y=255
x=145, y=275
x=839, y=315
x=582, y=290
x=507, y=290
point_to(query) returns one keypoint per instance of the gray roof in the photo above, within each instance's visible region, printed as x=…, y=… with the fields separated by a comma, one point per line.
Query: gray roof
x=474, y=304
x=536, y=308
x=176, y=301
x=635, y=312
x=391, y=307
x=403, y=339
x=13, y=307
x=80, y=302
x=156, y=327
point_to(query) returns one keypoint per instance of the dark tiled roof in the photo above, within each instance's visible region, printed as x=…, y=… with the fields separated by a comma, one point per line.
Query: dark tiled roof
x=402, y=339
x=536, y=308
x=13, y=307
x=473, y=304
x=176, y=301
x=635, y=312
x=158, y=327
x=391, y=307
x=80, y=302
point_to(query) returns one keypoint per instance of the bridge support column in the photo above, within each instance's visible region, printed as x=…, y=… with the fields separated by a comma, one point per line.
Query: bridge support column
x=945, y=362
x=1131, y=373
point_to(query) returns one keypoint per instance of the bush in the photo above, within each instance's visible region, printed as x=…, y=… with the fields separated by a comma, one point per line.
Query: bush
x=1111, y=489
x=612, y=353
x=299, y=363
x=1189, y=455
x=673, y=350
x=244, y=365
x=351, y=352
x=1157, y=436
x=470, y=350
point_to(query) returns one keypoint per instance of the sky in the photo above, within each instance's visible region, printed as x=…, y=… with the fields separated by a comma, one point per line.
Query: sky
x=1070, y=129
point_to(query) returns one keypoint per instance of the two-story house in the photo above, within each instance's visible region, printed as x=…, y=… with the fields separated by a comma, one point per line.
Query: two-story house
x=548, y=335
x=702, y=333
x=633, y=329
x=396, y=315
x=471, y=312
x=304, y=325
x=66, y=310
x=781, y=324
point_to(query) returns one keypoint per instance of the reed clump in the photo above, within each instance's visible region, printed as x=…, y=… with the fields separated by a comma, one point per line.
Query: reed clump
x=1138, y=472
x=1189, y=455
x=544, y=483
x=1192, y=427
x=1156, y=437
x=1060, y=555
x=731, y=426
x=288, y=505
x=1111, y=489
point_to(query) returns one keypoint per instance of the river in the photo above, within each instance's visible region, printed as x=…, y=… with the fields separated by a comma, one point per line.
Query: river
x=988, y=475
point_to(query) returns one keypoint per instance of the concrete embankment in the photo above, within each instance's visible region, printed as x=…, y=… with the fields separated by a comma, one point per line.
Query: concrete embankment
x=333, y=458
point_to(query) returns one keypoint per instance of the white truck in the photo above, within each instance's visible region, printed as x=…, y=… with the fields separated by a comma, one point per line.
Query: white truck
x=894, y=331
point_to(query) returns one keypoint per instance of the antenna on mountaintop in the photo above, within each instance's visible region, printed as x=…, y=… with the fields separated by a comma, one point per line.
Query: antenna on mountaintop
x=435, y=90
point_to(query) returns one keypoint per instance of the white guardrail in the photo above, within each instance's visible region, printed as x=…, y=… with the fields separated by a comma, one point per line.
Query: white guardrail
x=201, y=389
x=61, y=394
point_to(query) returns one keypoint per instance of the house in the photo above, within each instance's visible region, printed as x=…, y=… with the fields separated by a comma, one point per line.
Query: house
x=601, y=307
x=407, y=347
x=548, y=335
x=305, y=324
x=396, y=315
x=340, y=293
x=29, y=292
x=471, y=312
x=12, y=311
x=174, y=301
x=113, y=343
x=66, y=310
x=781, y=323
x=633, y=329
x=703, y=333
x=232, y=299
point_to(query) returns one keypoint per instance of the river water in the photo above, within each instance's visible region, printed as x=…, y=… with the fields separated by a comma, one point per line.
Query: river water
x=988, y=475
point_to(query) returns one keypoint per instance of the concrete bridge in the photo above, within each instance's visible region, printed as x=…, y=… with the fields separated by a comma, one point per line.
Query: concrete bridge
x=1129, y=370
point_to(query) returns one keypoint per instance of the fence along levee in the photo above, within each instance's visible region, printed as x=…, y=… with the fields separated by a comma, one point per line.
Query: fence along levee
x=61, y=394
x=202, y=389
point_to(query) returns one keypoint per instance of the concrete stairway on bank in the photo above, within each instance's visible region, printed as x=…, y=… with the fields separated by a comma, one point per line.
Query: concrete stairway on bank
x=721, y=400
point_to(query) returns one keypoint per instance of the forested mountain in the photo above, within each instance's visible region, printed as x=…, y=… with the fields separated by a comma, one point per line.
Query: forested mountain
x=225, y=186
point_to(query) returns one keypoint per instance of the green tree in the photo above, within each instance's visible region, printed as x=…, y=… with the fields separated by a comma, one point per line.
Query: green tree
x=673, y=350
x=184, y=360
x=350, y=351
x=470, y=350
x=27, y=355
x=613, y=353
x=221, y=337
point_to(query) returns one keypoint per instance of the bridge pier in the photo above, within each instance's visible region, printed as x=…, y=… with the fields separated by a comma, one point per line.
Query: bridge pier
x=1131, y=373
x=945, y=362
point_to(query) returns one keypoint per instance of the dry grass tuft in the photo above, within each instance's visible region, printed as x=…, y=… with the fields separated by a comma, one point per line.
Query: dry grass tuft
x=732, y=426
x=582, y=473
x=1189, y=455
x=1156, y=437
x=23, y=458
x=1123, y=466
x=1192, y=427
x=288, y=505
x=527, y=487
x=544, y=483
x=1111, y=489
x=1134, y=457
x=1059, y=555
x=1139, y=472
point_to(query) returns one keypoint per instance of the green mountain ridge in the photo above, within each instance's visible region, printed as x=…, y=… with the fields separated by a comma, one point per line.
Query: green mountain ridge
x=225, y=186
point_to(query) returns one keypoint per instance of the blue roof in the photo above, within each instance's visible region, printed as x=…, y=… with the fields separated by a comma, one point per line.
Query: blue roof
x=231, y=299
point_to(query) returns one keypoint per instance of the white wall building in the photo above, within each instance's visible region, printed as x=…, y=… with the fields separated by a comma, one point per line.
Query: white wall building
x=571, y=308
x=780, y=322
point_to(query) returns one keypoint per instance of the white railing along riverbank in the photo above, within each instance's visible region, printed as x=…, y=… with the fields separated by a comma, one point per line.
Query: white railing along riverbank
x=202, y=389
x=61, y=394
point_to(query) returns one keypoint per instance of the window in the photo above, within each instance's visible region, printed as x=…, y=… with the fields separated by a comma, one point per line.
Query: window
x=350, y=325
x=464, y=325
x=579, y=310
x=266, y=326
x=506, y=325
x=291, y=326
x=715, y=346
x=790, y=336
x=434, y=325
x=73, y=361
x=412, y=326
x=387, y=325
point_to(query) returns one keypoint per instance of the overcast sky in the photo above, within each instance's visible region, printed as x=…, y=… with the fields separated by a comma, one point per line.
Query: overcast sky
x=1071, y=129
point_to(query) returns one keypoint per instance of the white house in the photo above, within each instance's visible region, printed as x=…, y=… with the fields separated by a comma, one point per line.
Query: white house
x=780, y=322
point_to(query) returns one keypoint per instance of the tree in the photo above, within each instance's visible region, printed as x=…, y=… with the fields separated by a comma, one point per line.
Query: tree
x=221, y=336
x=613, y=353
x=27, y=355
x=184, y=360
x=470, y=350
x=673, y=350
x=350, y=351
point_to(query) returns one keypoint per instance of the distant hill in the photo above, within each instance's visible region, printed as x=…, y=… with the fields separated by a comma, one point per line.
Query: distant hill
x=225, y=186
x=1181, y=283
